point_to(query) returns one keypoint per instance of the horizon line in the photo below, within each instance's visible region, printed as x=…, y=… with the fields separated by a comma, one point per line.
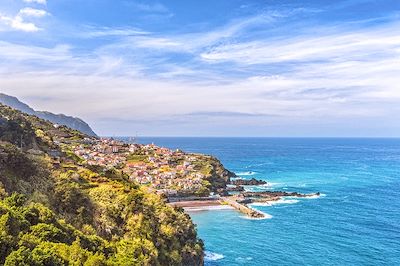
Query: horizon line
x=271, y=137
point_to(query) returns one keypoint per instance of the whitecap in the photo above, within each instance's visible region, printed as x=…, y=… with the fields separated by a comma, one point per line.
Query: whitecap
x=249, y=173
x=268, y=185
x=241, y=259
x=262, y=187
x=256, y=188
x=211, y=256
x=274, y=184
x=275, y=202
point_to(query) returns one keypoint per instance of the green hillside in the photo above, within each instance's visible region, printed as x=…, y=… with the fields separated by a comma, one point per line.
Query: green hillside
x=55, y=210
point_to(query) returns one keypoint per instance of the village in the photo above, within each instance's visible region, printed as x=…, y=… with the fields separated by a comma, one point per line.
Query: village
x=188, y=180
x=168, y=172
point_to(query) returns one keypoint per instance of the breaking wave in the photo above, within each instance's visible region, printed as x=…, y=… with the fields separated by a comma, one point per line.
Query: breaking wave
x=277, y=202
x=248, y=173
x=211, y=256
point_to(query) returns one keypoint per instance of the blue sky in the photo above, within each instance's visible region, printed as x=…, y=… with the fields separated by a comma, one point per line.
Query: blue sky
x=208, y=68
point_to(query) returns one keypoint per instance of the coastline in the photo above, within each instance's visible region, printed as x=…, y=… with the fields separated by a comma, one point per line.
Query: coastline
x=232, y=238
x=201, y=205
x=244, y=205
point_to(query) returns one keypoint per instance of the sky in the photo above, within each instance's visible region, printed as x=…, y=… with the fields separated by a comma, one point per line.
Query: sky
x=282, y=68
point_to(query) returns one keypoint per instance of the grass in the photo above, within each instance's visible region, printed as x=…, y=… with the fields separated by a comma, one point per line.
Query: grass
x=133, y=158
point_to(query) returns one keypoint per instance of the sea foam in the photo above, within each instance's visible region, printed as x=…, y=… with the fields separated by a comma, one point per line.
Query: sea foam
x=248, y=173
x=211, y=256
x=277, y=202
x=243, y=260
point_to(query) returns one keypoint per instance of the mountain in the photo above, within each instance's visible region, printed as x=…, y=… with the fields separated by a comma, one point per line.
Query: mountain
x=56, y=209
x=69, y=121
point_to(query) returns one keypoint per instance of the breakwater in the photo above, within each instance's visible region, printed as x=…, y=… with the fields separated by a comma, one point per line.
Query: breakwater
x=243, y=208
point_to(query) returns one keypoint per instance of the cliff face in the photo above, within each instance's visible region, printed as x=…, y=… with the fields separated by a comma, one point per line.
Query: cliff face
x=57, y=211
x=219, y=176
x=69, y=121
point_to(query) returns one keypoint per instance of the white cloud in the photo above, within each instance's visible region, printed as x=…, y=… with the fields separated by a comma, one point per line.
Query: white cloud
x=92, y=32
x=22, y=53
x=342, y=46
x=32, y=12
x=18, y=22
x=42, y=2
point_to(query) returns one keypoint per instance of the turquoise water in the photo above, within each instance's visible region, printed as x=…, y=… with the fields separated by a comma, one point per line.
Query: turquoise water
x=356, y=222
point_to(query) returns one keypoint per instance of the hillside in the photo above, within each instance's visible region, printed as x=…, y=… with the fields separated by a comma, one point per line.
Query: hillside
x=69, y=121
x=56, y=209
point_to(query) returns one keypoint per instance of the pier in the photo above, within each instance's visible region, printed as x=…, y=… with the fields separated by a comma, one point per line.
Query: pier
x=243, y=208
x=216, y=201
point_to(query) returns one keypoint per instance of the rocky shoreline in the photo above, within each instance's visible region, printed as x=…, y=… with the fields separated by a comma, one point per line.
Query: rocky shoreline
x=233, y=193
x=265, y=196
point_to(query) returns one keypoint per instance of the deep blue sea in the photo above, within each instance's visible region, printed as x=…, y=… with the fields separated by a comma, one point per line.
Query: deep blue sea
x=355, y=222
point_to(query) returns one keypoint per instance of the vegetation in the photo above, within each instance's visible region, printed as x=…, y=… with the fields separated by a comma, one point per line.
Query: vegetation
x=136, y=158
x=56, y=211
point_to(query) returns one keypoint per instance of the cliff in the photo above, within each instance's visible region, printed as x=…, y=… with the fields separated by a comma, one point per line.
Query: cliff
x=218, y=175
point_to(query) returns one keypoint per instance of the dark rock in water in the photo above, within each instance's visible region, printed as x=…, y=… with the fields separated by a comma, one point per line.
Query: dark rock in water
x=248, y=182
x=276, y=194
x=256, y=214
x=69, y=121
x=235, y=189
x=245, y=201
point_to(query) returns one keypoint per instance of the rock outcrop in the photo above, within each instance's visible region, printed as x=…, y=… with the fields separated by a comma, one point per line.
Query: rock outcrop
x=276, y=194
x=248, y=182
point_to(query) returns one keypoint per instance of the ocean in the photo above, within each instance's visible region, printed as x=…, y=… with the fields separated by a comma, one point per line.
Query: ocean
x=356, y=220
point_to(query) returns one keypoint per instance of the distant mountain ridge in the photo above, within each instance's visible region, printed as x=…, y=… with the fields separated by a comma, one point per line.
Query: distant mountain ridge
x=61, y=119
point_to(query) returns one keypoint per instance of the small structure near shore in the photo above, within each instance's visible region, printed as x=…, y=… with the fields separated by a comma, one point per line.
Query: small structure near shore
x=243, y=208
x=240, y=201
